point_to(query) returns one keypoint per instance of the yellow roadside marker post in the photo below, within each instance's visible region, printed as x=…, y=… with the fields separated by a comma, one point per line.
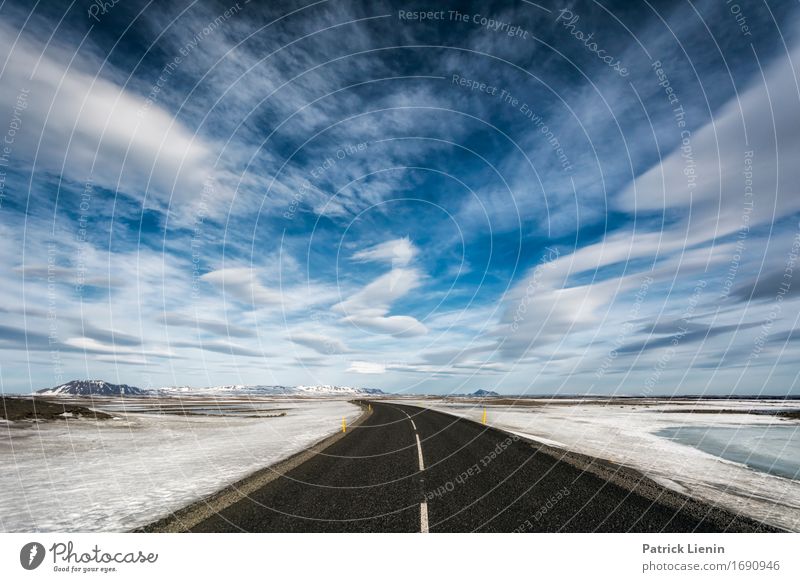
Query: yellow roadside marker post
x=484, y=416
x=344, y=425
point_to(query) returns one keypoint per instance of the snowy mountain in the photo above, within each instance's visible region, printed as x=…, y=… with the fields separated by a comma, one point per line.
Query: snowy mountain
x=259, y=390
x=484, y=393
x=477, y=394
x=102, y=388
x=93, y=388
x=326, y=390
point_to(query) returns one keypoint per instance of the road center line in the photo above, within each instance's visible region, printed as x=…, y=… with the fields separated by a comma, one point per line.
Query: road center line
x=419, y=451
x=423, y=507
x=423, y=517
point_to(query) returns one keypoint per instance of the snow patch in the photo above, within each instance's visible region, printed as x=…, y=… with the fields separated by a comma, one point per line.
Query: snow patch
x=104, y=476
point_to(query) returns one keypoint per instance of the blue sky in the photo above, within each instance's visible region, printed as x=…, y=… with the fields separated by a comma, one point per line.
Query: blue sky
x=574, y=198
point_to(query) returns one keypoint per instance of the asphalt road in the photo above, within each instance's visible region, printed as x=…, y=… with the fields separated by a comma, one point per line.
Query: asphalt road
x=407, y=469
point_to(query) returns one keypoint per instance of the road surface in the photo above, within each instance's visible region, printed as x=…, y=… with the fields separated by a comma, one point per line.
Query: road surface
x=407, y=469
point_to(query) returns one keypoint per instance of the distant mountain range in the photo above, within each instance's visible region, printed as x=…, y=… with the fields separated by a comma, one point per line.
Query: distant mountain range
x=259, y=390
x=102, y=388
x=93, y=388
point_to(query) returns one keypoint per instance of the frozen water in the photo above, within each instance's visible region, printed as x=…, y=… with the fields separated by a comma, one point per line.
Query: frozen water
x=772, y=449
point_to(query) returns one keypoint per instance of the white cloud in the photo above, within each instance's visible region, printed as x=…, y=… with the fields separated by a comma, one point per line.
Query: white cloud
x=223, y=347
x=67, y=275
x=90, y=127
x=398, y=252
x=367, y=368
x=243, y=285
x=765, y=119
x=322, y=344
x=395, y=325
x=368, y=308
x=93, y=346
x=376, y=297
x=223, y=328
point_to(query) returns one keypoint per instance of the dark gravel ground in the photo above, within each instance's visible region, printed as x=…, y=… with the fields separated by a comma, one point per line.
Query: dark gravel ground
x=16, y=408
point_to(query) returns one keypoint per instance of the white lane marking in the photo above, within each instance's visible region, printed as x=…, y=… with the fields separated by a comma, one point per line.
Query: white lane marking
x=419, y=445
x=419, y=451
x=411, y=419
x=423, y=507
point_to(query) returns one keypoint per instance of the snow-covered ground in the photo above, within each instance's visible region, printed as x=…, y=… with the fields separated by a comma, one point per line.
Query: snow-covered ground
x=116, y=475
x=625, y=434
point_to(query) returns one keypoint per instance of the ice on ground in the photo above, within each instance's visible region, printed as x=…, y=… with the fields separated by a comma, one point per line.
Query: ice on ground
x=116, y=475
x=625, y=434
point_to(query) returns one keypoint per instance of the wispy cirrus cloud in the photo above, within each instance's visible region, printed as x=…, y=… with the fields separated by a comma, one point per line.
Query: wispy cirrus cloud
x=368, y=308
x=314, y=188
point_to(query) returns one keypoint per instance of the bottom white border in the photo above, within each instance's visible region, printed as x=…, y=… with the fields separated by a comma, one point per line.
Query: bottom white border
x=483, y=557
